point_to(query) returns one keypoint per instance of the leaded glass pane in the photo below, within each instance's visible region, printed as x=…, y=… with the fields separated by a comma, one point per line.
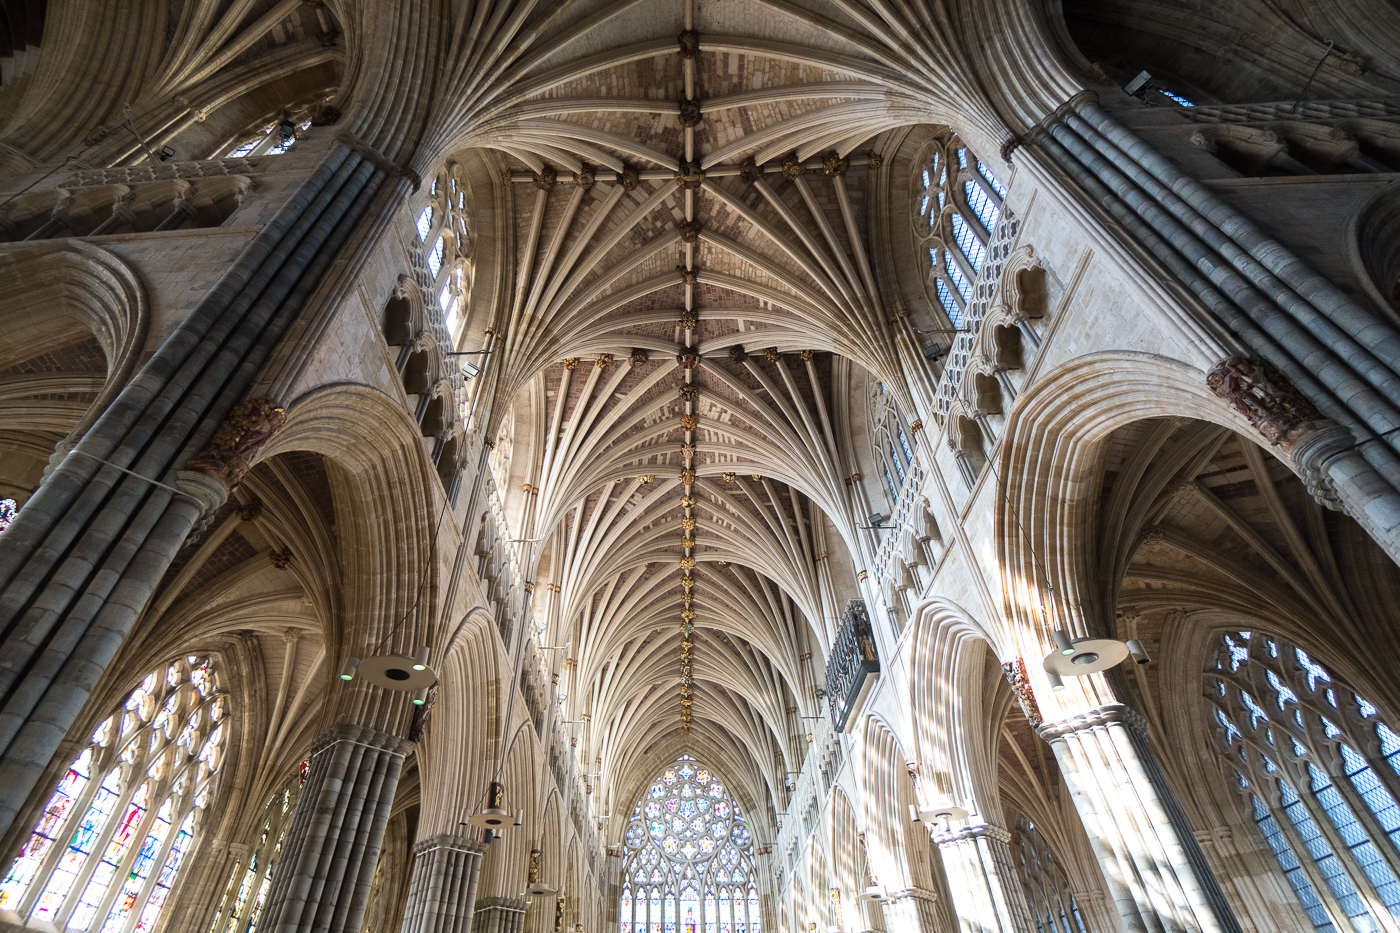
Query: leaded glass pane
x=122, y=855
x=686, y=837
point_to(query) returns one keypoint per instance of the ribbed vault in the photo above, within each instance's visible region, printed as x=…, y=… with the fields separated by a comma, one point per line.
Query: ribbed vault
x=689, y=301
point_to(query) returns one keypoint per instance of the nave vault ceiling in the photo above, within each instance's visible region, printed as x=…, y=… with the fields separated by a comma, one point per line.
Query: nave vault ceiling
x=710, y=179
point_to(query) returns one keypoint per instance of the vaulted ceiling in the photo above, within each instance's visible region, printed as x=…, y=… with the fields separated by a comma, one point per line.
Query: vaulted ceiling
x=700, y=289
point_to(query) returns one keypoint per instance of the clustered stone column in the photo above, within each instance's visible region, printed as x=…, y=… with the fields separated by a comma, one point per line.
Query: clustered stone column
x=917, y=910
x=442, y=893
x=500, y=915
x=332, y=849
x=84, y=555
x=1156, y=873
x=1328, y=349
x=986, y=893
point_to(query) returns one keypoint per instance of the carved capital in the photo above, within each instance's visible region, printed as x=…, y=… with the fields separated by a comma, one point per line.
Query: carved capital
x=1015, y=673
x=1093, y=719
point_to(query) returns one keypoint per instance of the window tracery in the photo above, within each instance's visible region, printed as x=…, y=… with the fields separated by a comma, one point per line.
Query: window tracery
x=115, y=833
x=1319, y=775
x=268, y=140
x=251, y=879
x=891, y=443
x=454, y=248
x=1047, y=887
x=959, y=205
x=688, y=858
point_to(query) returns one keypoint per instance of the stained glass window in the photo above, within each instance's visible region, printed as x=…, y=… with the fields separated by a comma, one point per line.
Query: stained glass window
x=689, y=853
x=103, y=855
x=8, y=508
x=248, y=885
x=1315, y=770
x=957, y=212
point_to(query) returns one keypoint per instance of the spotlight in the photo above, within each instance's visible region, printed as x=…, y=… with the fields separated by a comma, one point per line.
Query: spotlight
x=347, y=670
x=1139, y=651
x=287, y=128
x=420, y=697
x=1057, y=683
x=420, y=659
x=166, y=154
x=396, y=672
x=1086, y=656
x=495, y=813
x=943, y=811
x=1062, y=642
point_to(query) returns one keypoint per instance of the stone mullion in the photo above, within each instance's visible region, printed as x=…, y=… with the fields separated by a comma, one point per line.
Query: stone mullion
x=153, y=873
x=94, y=857
x=1342, y=851
x=1309, y=866
x=59, y=846
x=133, y=849
x=1368, y=820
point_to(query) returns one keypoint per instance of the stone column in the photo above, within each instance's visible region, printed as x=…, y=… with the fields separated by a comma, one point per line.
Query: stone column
x=915, y=911
x=83, y=557
x=442, y=893
x=332, y=849
x=500, y=915
x=986, y=894
x=1156, y=874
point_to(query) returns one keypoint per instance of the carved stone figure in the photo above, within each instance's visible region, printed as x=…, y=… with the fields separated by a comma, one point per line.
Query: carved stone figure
x=1254, y=389
x=247, y=428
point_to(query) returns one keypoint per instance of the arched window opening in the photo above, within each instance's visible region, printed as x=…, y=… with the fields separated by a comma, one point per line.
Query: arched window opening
x=1318, y=774
x=1047, y=886
x=424, y=224
x=272, y=138
x=250, y=881
x=113, y=837
x=890, y=444
x=8, y=509
x=435, y=259
x=688, y=858
x=958, y=212
x=454, y=250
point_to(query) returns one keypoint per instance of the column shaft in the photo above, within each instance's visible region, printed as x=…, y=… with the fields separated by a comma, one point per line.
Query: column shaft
x=332, y=849
x=442, y=892
x=1156, y=873
x=986, y=893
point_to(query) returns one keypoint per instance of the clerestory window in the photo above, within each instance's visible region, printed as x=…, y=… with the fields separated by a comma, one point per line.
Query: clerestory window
x=959, y=206
x=688, y=862
x=1318, y=774
x=116, y=832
